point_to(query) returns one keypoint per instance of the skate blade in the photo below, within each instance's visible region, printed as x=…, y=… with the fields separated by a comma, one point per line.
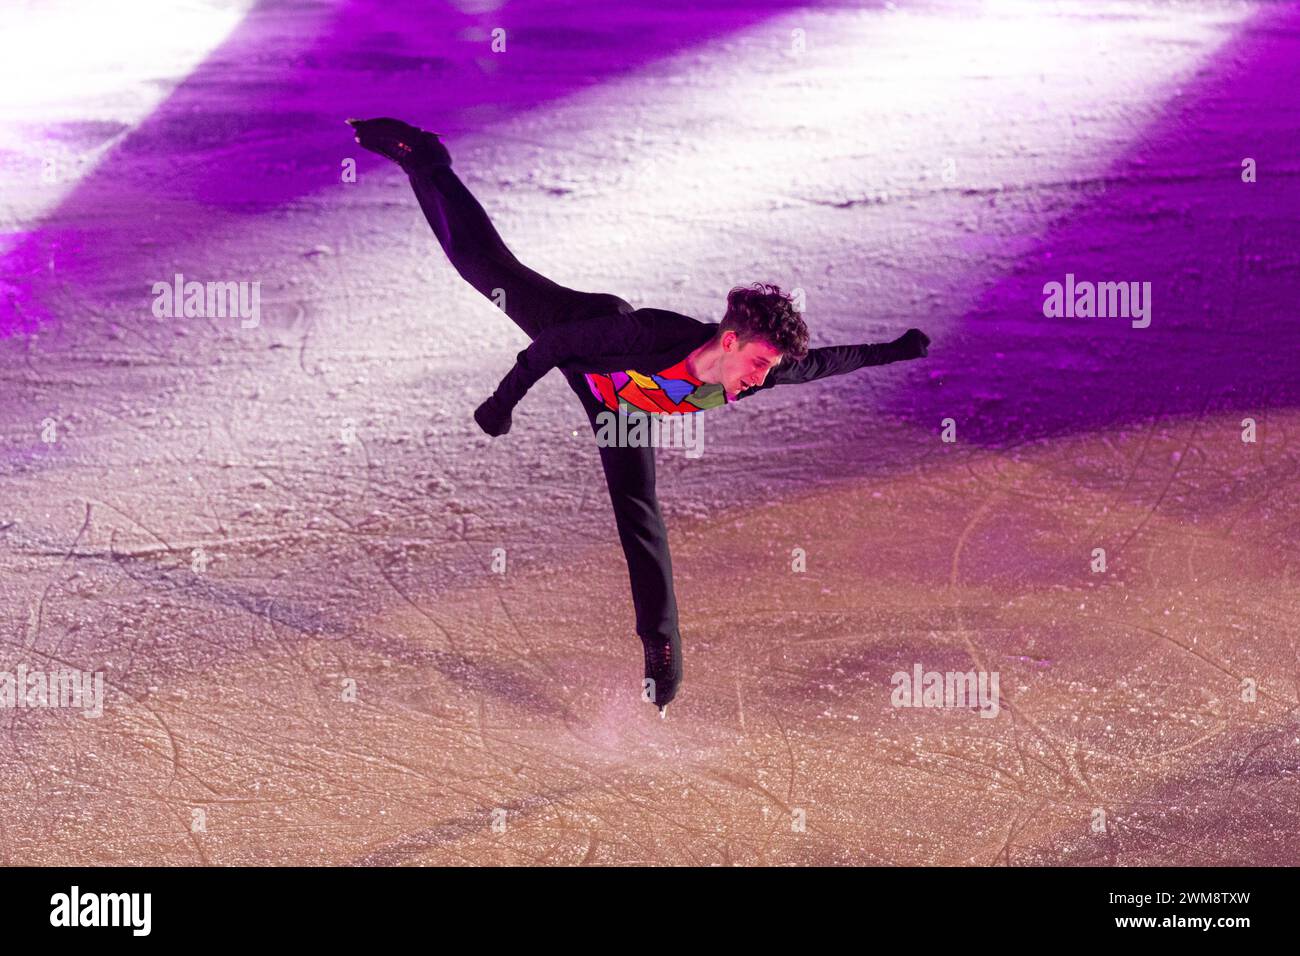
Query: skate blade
x=663, y=712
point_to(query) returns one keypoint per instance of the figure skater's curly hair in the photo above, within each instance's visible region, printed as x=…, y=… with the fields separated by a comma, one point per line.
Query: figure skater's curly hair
x=763, y=311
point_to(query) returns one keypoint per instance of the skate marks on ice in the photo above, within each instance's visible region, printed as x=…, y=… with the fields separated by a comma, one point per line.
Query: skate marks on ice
x=1120, y=691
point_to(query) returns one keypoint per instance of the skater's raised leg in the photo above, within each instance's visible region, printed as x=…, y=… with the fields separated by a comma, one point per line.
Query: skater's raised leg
x=478, y=253
x=468, y=237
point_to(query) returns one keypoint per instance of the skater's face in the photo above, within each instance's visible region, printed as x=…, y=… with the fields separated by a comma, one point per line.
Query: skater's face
x=746, y=366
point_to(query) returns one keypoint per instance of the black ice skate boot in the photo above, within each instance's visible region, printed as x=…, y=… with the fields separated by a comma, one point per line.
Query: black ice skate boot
x=404, y=144
x=663, y=666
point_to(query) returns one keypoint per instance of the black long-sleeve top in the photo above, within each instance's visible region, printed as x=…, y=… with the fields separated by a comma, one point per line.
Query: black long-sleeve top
x=648, y=340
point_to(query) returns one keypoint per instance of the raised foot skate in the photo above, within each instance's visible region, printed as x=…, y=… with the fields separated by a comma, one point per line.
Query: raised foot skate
x=408, y=146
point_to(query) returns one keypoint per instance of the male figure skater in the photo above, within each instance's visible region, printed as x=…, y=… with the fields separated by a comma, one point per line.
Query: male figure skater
x=630, y=361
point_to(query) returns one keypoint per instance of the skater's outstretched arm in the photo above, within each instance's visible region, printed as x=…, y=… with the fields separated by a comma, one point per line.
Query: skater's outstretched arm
x=839, y=359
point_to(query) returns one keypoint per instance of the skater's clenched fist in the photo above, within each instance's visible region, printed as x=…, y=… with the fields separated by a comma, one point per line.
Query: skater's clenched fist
x=492, y=418
x=911, y=344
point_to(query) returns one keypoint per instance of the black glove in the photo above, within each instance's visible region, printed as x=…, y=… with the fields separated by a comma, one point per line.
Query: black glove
x=910, y=345
x=492, y=418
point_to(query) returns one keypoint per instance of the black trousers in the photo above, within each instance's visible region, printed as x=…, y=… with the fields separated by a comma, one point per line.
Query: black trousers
x=534, y=303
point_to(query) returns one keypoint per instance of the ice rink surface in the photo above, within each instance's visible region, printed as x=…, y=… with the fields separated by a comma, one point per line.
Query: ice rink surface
x=276, y=542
